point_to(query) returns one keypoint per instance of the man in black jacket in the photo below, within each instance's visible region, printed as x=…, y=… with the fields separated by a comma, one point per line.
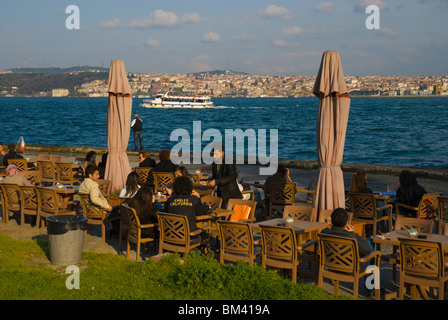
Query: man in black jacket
x=145, y=160
x=137, y=127
x=224, y=176
x=341, y=227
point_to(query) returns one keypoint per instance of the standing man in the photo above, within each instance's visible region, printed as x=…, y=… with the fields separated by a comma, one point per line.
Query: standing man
x=137, y=126
x=224, y=177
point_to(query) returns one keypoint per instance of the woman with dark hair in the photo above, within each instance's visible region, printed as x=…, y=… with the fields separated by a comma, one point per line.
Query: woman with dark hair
x=146, y=209
x=132, y=186
x=182, y=202
x=409, y=193
x=91, y=157
x=165, y=164
x=359, y=183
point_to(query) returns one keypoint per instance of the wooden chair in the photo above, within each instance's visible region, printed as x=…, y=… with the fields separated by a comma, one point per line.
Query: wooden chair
x=281, y=250
x=213, y=202
x=252, y=204
x=21, y=164
x=237, y=242
x=49, y=204
x=443, y=213
x=55, y=158
x=325, y=216
x=427, y=207
x=280, y=195
x=95, y=215
x=104, y=187
x=161, y=179
x=135, y=230
x=47, y=172
x=364, y=208
x=29, y=202
x=11, y=200
x=340, y=261
x=248, y=195
x=145, y=175
x=175, y=235
x=43, y=156
x=298, y=212
x=65, y=174
x=403, y=223
x=422, y=264
x=195, y=177
x=306, y=196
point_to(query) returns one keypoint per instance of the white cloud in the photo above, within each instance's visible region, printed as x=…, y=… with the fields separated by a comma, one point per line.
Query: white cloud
x=283, y=43
x=161, y=18
x=294, y=30
x=153, y=43
x=246, y=37
x=324, y=6
x=192, y=18
x=211, y=37
x=115, y=22
x=363, y=4
x=386, y=32
x=275, y=12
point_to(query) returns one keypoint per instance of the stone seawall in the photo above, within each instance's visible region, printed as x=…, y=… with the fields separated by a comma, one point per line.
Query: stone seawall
x=430, y=173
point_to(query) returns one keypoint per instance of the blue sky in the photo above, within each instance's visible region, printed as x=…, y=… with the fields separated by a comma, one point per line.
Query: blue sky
x=253, y=36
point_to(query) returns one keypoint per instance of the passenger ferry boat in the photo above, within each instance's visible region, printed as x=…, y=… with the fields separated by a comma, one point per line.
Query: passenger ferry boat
x=170, y=100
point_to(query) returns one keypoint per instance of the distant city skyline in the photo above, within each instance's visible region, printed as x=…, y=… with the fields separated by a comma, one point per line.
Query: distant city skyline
x=252, y=36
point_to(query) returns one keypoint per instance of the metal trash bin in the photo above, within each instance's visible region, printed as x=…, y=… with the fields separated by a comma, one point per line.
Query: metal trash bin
x=66, y=238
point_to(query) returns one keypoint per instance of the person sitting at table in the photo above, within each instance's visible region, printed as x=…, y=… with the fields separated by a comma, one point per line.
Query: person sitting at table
x=13, y=176
x=165, y=164
x=409, y=193
x=282, y=175
x=90, y=186
x=359, y=183
x=182, y=202
x=91, y=158
x=145, y=160
x=132, y=186
x=12, y=154
x=102, y=165
x=182, y=171
x=2, y=154
x=341, y=227
x=224, y=176
x=146, y=209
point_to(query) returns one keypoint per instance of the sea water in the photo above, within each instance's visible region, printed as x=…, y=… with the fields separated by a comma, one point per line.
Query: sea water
x=404, y=131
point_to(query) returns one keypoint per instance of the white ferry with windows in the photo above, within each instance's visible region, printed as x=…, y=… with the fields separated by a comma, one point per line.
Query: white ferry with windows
x=173, y=100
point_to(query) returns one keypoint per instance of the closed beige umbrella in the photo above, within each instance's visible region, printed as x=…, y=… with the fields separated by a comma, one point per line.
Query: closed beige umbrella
x=119, y=111
x=334, y=106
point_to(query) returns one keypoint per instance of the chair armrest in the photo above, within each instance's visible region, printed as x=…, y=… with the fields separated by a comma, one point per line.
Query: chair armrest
x=150, y=225
x=307, y=244
x=406, y=206
x=250, y=220
x=197, y=232
x=372, y=254
x=385, y=207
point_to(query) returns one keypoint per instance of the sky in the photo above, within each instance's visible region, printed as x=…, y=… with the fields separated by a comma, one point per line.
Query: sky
x=262, y=37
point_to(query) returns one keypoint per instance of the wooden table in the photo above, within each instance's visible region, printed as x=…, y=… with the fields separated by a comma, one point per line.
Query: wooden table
x=66, y=193
x=203, y=190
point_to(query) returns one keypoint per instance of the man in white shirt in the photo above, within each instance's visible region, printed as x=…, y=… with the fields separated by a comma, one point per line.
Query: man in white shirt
x=90, y=186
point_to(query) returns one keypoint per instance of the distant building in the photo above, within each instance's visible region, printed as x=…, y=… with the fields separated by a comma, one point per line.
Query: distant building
x=59, y=93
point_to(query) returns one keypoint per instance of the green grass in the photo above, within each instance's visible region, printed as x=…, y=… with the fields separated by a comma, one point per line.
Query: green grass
x=26, y=273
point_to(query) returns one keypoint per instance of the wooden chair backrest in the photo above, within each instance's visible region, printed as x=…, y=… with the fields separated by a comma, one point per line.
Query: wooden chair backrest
x=298, y=212
x=338, y=254
x=48, y=200
x=195, y=177
x=43, y=156
x=11, y=196
x=46, y=170
x=252, y=204
x=64, y=173
x=90, y=210
x=133, y=222
x=213, y=202
x=104, y=186
x=29, y=196
x=429, y=205
x=236, y=237
x=421, y=258
x=325, y=216
x=161, y=179
x=174, y=229
x=145, y=175
x=21, y=164
x=362, y=205
x=282, y=193
x=278, y=243
x=421, y=225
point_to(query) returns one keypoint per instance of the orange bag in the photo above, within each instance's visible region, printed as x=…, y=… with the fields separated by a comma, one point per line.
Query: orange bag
x=241, y=212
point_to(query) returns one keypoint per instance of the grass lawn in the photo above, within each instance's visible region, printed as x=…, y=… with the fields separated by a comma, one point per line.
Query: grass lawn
x=26, y=273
